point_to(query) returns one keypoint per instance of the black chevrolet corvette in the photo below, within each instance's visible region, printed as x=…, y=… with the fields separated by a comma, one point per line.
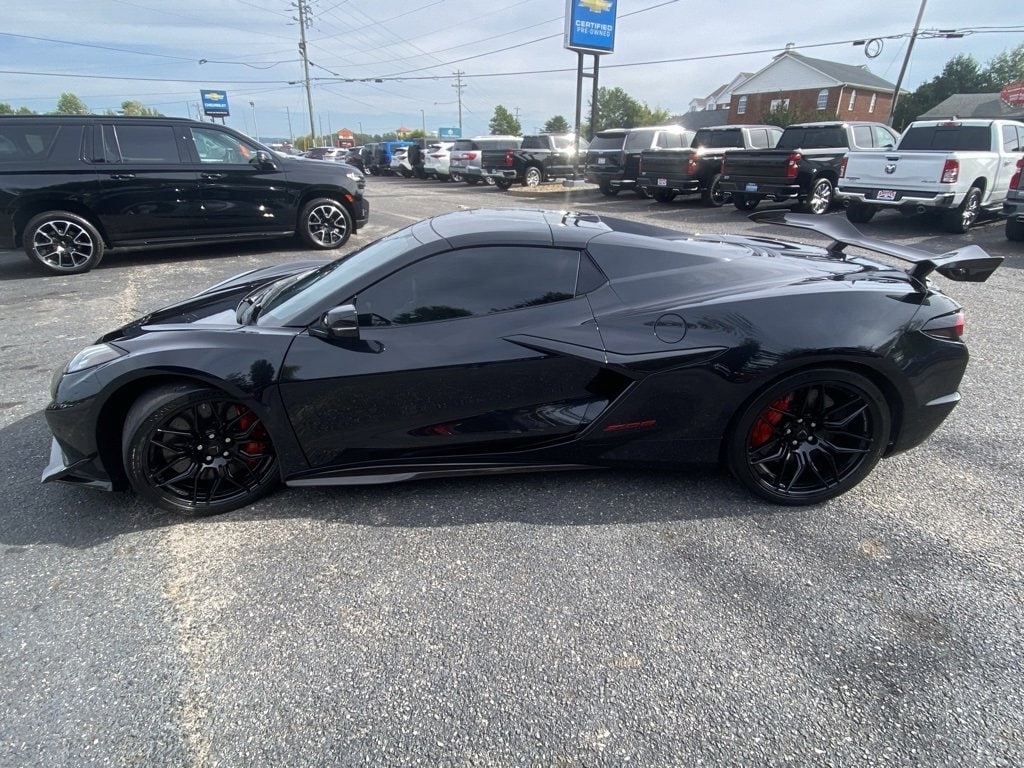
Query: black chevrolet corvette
x=492, y=341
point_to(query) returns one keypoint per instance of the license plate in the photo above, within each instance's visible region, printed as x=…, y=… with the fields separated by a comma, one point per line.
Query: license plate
x=751, y=188
x=886, y=194
x=662, y=182
x=600, y=161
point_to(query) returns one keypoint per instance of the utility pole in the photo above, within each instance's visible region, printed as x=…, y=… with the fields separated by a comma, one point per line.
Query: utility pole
x=255, y=125
x=303, y=21
x=906, y=61
x=291, y=135
x=458, y=85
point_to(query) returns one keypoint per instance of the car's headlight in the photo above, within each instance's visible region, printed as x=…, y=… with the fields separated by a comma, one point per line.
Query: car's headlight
x=355, y=175
x=92, y=356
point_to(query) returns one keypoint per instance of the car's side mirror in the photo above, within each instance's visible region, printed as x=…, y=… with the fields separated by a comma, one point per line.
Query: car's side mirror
x=263, y=160
x=338, y=323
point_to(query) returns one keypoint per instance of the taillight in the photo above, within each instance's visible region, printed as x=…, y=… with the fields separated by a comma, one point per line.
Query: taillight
x=949, y=327
x=842, y=168
x=950, y=172
x=1015, y=179
x=791, y=163
x=470, y=156
x=691, y=166
x=509, y=158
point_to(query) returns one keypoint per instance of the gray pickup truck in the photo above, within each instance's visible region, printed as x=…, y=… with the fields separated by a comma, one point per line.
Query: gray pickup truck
x=666, y=173
x=804, y=166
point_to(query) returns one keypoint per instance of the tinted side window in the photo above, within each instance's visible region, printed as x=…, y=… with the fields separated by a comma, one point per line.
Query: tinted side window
x=637, y=141
x=614, y=141
x=535, y=142
x=812, y=138
x=216, y=146
x=24, y=141
x=470, y=283
x=147, y=143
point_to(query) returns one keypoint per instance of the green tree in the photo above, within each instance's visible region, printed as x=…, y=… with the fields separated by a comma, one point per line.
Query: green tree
x=784, y=115
x=617, y=109
x=69, y=104
x=504, y=122
x=556, y=124
x=1006, y=68
x=7, y=109
x=138, y=109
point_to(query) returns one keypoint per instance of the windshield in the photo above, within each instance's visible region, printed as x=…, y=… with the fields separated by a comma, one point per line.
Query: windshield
x=297, y=301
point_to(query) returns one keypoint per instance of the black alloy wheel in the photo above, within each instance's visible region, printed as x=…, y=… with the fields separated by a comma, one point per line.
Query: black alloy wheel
x=63, y=243
x=744, y=202
x=712, y=195
x=325, y=224
x=960, y=219
x=196, y=451
x=810, y=437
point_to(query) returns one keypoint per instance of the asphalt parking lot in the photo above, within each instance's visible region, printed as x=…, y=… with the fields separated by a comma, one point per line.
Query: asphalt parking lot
x=573, y=619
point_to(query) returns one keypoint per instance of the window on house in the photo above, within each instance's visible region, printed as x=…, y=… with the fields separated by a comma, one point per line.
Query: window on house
x=779, y=104
x=871, y=105
x=853, y=100
x=741, y=106
x=823, y=98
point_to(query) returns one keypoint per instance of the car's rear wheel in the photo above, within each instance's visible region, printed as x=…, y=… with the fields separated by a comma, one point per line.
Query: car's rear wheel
x=532, y=176
x=608, y=190
x=63, y=243
x=664, y=195
x=456, y=177
x=712, y=195
x=859, y=213
x=820, y=199
x=325, y=224
x=809, y=437
x=745, y=202
x=642, y=192
x=196, y=451
x=960, y=219
x=1014, y=230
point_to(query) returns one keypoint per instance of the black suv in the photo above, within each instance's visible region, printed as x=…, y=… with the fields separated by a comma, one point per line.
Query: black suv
x=71, y=187
x=613, y=158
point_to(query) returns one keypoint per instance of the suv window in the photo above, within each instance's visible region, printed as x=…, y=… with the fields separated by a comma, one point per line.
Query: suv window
x=638, y=140
x=614, y=141
x=719, y=139
x=26, y=142
x=215, y=146
x=141, y=143
x=470, y=283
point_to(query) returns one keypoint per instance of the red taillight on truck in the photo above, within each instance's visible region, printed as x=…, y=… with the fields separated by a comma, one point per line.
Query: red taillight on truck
x=842, y=168
x=949, y=327
x=691, y=166
x=950, y=172
x=509, y=162
x=791, y=163
x=1015, y=179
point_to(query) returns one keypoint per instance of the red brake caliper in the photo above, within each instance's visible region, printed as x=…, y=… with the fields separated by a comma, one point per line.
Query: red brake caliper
x=766, y=422
x=252, y=446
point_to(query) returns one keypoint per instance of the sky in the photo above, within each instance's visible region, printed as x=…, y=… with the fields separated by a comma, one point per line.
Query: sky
x=379, y=66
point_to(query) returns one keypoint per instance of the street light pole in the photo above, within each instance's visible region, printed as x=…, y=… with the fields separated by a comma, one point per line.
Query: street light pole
x=255, y=125
x=423, y=117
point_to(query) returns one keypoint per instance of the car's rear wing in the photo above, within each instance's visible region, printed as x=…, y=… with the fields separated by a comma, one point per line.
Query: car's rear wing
x=968, y=264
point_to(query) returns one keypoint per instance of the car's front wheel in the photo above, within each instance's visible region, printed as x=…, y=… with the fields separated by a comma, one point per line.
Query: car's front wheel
x=532, y=176
x=197, y=451
x=325, y=224
x=960, y=219
x=63, y=243
x=809, y=437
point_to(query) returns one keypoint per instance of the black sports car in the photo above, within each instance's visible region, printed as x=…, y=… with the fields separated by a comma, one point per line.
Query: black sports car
x=490, y=341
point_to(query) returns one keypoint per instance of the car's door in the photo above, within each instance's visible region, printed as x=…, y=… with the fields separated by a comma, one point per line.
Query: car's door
x=239, y=195
x=469, y=351
x=148, y=188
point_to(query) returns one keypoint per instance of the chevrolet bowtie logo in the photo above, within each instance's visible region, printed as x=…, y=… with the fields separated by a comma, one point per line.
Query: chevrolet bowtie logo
x=596, y=6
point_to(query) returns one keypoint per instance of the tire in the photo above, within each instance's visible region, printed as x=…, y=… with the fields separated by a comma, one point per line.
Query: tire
x=712, y=195
x=471, y=180
x=1014, y=230
x=324, y=224
x=745, y=202
x=456, y=177
x=609, y=191
x=503, y=184
x=820, y=198
x=62, y=243
x=196, y=451
x=809, y=437
x=532, y=176
x=960, y=219
x=642, y=192
x=858, y=213
x=663, y=195
x=489, y=181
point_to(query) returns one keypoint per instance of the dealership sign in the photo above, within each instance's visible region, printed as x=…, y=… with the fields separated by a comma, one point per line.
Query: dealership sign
x=449, y=133
x=215, y=103
x=590, y=25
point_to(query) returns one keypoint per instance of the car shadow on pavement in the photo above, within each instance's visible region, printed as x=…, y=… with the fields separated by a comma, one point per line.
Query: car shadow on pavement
x=77, y=517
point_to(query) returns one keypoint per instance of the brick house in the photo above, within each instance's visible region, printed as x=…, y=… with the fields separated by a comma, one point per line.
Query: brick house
x=821, y=90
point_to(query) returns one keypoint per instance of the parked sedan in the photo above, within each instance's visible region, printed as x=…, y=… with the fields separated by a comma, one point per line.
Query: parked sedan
x=495, y=341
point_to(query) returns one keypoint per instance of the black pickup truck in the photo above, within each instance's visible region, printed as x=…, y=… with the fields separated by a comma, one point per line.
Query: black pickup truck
x=541, y=157
x=665, y=173
x=804, y=165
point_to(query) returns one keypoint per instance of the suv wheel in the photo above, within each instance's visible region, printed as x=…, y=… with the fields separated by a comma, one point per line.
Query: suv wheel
x=324, y=224
x=532, y=176
x=62, y=243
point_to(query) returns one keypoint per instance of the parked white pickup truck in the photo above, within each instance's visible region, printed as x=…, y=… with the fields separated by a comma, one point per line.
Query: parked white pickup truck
x=956, y=167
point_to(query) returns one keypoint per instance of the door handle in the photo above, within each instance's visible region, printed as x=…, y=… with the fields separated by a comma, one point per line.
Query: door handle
x=212, y=176
x=122, y=176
